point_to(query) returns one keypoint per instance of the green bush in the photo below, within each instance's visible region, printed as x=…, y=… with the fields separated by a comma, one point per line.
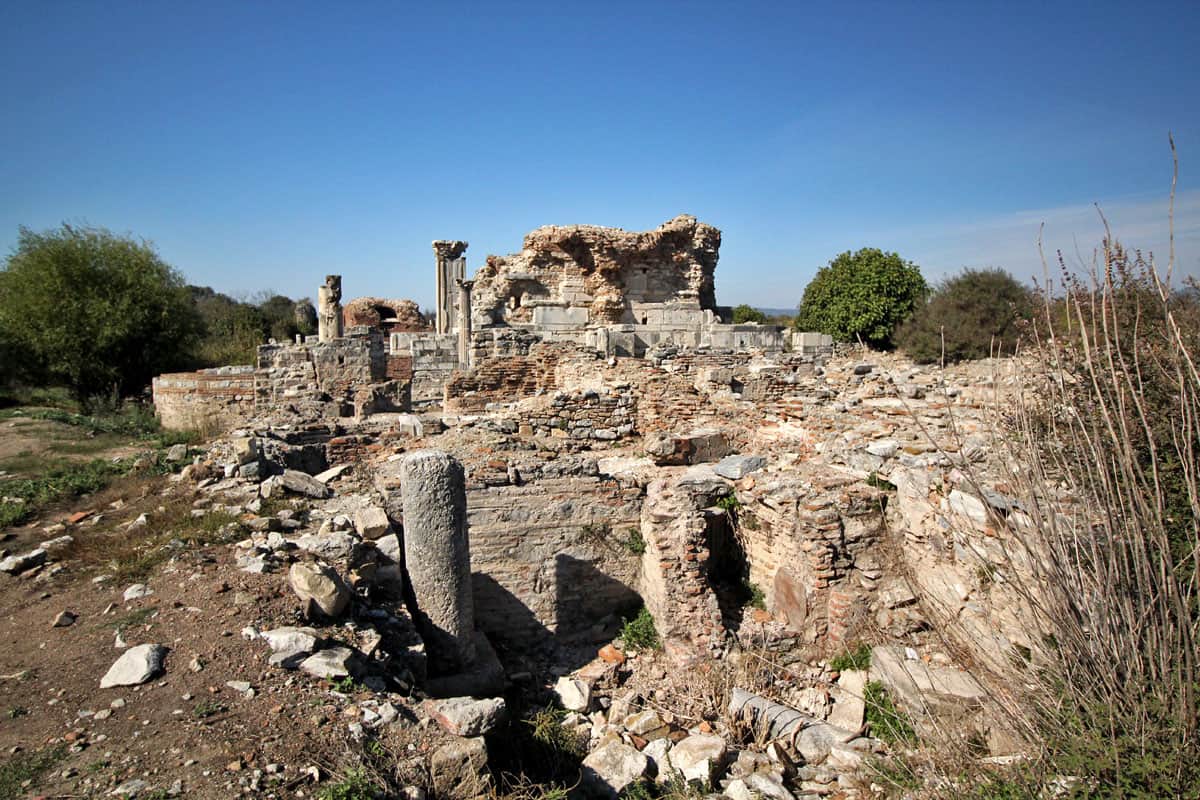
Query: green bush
x=975, y=314
x=640, y=632
x=99, y=313
x=862, y=295
x=745, y=313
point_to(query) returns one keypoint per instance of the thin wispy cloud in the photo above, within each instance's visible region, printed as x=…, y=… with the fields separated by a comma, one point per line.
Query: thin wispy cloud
x=1010, y=240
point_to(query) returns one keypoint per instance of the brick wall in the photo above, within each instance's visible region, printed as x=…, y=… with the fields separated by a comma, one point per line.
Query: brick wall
x=208, y=400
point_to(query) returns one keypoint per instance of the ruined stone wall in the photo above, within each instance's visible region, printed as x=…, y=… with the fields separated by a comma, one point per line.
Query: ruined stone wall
x=584, y=416
x=674, y=581
x=208, y=400
x=606, y=271
x=812, y=539
x=504, y=379
x=332, y=371
x=434, y=357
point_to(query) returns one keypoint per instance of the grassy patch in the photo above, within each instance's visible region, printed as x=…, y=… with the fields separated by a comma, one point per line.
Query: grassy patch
x=640, y=632
x=66, y=480
x=886, y=721
x=26, y=767
x=346, y=685
x=858, y=658
x=132, y=556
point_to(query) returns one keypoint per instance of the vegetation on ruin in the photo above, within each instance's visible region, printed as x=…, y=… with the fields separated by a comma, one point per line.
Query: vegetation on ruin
x=1113, y=577
x=858, y=657
x=24, y=497
x=635, y=543
x=354, y=785
x=93, y=311
x=862, y=295
x=975, y=314
x=884, y=720
x=639, y=632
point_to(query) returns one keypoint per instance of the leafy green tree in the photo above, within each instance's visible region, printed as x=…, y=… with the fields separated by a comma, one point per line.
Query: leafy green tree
x=279, y=316
x=864, y=295
x=975, y=314
x=94, y=311
x=745, y=313
x=233, y=330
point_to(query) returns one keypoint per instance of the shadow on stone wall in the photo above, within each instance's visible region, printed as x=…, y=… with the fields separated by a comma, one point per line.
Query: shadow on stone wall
x=587, y=608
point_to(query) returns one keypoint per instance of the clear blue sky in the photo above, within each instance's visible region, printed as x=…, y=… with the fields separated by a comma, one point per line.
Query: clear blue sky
x=263, y=145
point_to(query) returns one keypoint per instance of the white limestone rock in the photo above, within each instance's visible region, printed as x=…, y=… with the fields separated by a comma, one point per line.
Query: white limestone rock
x=610, y=768
x=135, y=666
x=573, y=694
x=699, y=757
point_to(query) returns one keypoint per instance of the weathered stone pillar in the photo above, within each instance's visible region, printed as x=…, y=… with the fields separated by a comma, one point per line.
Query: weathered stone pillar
x=464, y=323
x=329, y=309
x=437, y=554
x=450, y=267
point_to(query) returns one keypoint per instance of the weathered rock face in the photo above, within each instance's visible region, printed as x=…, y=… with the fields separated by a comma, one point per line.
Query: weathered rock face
x=388, y=315
x=605, y=272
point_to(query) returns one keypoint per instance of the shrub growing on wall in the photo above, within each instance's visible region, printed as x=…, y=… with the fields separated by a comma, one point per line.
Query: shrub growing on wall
x=978, y=312
x=862, y=295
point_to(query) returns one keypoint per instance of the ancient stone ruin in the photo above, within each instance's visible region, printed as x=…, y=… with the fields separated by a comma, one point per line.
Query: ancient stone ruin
x=580, y=434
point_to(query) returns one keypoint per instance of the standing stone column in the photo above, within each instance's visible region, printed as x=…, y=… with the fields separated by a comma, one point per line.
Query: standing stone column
x=438, y=555
x=329, y=309
x=464, y=322
x=450, y=266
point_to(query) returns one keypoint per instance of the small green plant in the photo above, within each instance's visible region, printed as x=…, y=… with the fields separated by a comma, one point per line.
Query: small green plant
x=354, y=785
x=544, y=751
x=375, y=749
x=893, y=773
x=729, y=503
x=639, y=790
x=640, y=632
x=635, y=543
x=885, y=720
x=858, y=658
x=208, y=709
x=345, y=685
x=16, y=712
x=754, y=596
